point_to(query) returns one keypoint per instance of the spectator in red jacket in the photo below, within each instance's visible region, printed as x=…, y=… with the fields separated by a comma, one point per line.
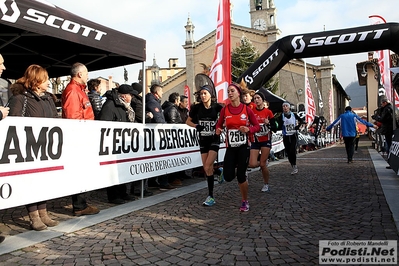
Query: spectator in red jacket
x=76, y=105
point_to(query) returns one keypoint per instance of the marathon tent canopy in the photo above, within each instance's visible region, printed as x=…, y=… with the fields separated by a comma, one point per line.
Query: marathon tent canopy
x=275, y=102
x=37, y=32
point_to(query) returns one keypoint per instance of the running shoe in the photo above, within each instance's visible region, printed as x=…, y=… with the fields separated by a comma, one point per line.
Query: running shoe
x=209, y=201
x=244, y=206
x=265, y=188
x=294, y=170
x=221, y=177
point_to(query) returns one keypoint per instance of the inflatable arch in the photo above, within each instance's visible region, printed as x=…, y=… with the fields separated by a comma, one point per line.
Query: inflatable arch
x=336, y=42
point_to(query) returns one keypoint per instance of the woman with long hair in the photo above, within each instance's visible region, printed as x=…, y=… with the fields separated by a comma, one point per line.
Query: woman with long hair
x=31, y=99
x=203, y=117
x=239, y=121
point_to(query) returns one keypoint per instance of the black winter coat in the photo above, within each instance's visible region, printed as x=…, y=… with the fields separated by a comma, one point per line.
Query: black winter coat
x=386, y=119
x=27, y=103
x=183, y=114
x=113, y=109
x=172, y=115
x=137, y=105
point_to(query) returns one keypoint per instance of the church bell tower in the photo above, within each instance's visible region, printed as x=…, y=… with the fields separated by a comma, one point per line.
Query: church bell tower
x=263, y=14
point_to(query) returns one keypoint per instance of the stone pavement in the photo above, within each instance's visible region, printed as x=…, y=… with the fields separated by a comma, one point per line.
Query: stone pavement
x=327, y=200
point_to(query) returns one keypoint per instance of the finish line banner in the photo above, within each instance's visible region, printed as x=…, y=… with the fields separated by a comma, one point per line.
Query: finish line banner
x=43, y=158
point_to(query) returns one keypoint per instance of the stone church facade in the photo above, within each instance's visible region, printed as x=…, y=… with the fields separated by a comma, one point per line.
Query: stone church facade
x=263, y=33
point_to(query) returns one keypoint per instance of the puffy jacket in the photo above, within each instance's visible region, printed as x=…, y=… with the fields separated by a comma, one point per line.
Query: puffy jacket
x=75, y=103
x=96, y=102
x=348, y=123
x=171, y=114
x=25, y=102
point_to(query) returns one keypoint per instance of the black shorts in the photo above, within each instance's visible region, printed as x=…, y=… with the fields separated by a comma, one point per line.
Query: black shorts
x=258, y=145
x=211, y=143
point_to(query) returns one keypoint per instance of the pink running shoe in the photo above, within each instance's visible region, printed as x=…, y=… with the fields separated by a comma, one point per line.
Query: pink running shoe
x=244, y=206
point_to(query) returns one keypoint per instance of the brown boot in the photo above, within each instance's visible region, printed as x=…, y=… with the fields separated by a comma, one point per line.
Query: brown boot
x=35, y=221
x=46, y=219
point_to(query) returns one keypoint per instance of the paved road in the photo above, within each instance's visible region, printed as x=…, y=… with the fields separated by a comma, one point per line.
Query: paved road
x=327, y=200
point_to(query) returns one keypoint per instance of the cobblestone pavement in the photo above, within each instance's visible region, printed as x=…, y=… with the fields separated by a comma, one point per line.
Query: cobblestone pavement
x=327, y=200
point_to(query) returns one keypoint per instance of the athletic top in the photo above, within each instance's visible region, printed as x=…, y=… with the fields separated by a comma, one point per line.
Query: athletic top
x=264, y=133
x=235, y=117
x=205, y=117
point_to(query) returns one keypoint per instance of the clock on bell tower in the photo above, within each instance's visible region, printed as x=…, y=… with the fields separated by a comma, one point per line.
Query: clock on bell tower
x=263, y=14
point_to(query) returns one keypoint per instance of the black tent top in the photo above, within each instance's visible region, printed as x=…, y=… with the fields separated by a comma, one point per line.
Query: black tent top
x=32, y=32
x=275, y=102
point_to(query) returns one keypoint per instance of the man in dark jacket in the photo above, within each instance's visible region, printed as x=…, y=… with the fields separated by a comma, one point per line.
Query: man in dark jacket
x=117, y=108
x=182, y=108
x=386, y=118
x=153, y=105
x=172, y=116
x=171, y=113
x=137, y=104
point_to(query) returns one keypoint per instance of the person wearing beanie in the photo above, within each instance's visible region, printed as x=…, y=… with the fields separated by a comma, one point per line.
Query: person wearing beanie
x=262, y=140
x=348, y=121
x=289, y=123
x=137, y=87
x=117, y=108
x=137, y=104
x=203, y=116
x=239, y=121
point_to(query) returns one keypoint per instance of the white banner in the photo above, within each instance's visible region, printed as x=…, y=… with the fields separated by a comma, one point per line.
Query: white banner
x=277, y=141
x=45, y=158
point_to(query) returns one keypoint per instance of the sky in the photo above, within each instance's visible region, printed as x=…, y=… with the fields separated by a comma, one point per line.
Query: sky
x=161, y=24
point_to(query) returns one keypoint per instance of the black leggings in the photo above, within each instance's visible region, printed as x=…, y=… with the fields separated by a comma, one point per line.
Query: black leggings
x=236, y=157
x=290, y=147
